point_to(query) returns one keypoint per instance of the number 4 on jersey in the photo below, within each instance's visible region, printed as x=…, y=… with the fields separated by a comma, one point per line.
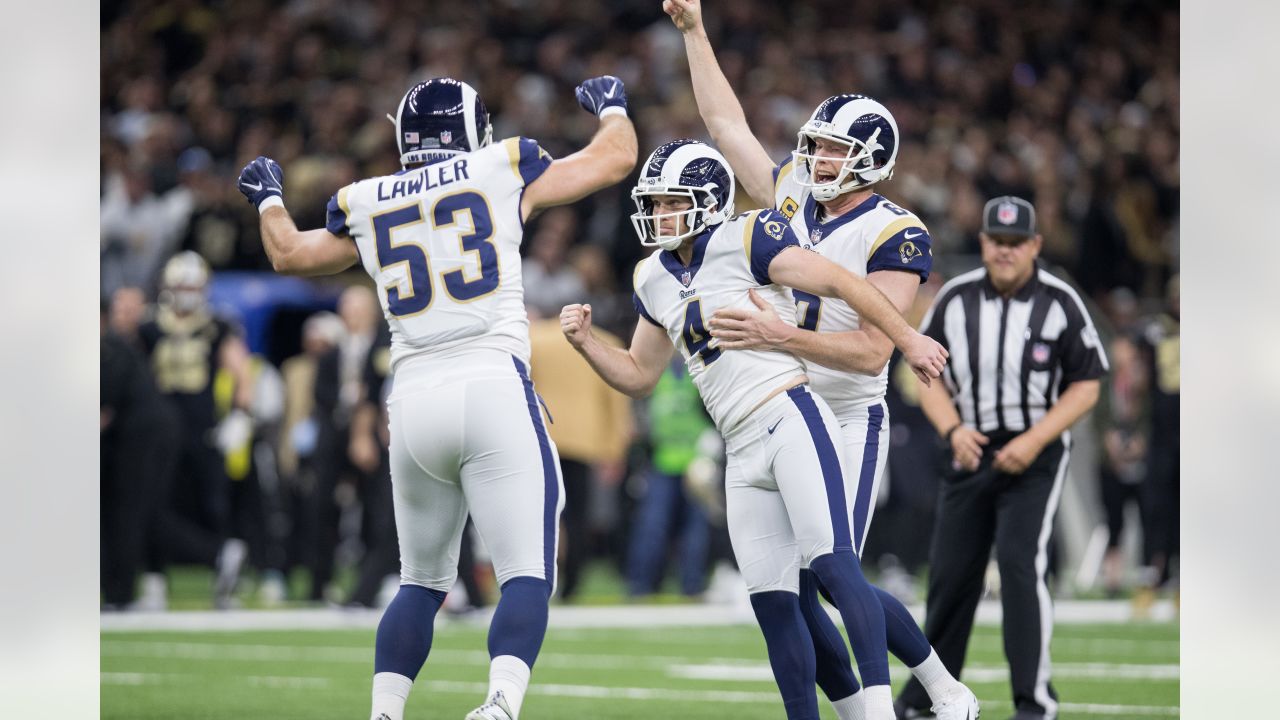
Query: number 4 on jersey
x=695, y=333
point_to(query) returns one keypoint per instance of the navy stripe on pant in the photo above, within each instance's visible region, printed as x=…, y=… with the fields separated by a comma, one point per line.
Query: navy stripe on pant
x=551, y=494
x=867, y=477
x=829, y=460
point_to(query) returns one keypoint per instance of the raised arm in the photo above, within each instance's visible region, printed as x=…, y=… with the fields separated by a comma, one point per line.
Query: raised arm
x=812, y=273
x=292, y=251
x=634, y=371
x=719, y=107
x=605, y=161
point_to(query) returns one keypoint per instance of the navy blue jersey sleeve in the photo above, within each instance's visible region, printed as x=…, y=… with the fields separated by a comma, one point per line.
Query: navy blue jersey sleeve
x=765, y=237
x=336, y=213
x=905, y=246
x=528, y=159
x=644, y=312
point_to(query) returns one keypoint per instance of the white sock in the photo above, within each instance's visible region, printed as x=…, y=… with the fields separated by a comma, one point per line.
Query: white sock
x=935, y=678
x=390, y=690
x=850, y=708
x=877, y=702
x=509, y=674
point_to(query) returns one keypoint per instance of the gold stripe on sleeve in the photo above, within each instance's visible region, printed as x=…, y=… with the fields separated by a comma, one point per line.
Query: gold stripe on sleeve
x=513, y=154
x=894, y=228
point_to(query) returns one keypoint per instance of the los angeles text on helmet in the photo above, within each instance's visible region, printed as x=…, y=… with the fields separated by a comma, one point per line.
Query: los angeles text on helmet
x=417, y=181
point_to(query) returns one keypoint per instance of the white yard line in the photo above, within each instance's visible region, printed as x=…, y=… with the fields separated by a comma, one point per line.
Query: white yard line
x=627, y=616
x=729, y=668
x=1104, y=672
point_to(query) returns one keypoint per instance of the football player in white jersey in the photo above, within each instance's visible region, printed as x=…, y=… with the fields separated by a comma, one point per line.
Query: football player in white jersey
x=785, y=491
x=826, y=191
x=441, y=240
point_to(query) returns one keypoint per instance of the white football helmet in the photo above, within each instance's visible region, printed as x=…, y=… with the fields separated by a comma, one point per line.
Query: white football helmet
x=683, y=167
x=862, y=124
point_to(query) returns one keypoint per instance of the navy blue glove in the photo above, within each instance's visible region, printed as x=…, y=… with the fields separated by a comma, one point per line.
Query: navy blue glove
x=260, y=180
x=599, y=94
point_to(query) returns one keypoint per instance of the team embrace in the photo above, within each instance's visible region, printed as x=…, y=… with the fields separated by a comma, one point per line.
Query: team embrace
x=785, y=317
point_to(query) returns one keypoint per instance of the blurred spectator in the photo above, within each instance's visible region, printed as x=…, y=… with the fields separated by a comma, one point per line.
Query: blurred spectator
x=1163, y=482
x=138, y=450
x=1122, y=417
x=368, y=451
x=247, y=432
x=321, y=333
x=339, y=389
x=128, y=311
x=610, y=309
x=214, y=227
x=1075, y=106
x=140, y=228
x=591, y=427
x=550, y=282
x=665, y=511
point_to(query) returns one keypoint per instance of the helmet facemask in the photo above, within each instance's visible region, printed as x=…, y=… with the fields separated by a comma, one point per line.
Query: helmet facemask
x=856, y=170
x=703, y=213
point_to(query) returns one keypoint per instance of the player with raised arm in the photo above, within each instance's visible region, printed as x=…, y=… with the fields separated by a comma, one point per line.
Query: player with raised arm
x=441, y=240
x=826, y=189
x=785, y=492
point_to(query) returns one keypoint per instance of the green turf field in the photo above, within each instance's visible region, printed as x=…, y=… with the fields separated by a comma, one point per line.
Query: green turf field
x=1111, y=671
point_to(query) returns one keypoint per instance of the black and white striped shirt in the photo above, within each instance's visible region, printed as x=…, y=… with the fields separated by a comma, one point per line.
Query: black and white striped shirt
x=1012, y=357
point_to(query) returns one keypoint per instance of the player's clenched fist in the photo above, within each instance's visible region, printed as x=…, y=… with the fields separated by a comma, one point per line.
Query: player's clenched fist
x=575, y=323
x=686, y=14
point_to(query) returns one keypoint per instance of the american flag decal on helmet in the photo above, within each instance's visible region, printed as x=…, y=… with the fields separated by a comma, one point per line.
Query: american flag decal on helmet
x=411, y=138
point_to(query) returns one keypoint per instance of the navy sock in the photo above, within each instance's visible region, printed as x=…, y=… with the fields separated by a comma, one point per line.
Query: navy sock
x=906, y=640
x=404, y=633
x=520, y=620
x=790, y=651
x=834, y=669
x=861, y=611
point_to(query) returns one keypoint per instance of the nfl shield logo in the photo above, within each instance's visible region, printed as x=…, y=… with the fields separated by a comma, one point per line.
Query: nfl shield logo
x=446, y=137
x=1007, y=213
x=686, y=277
x=815, y=236
x=1040, y=353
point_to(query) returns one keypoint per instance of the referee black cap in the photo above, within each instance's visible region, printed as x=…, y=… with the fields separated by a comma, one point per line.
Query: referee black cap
x=1009, y=215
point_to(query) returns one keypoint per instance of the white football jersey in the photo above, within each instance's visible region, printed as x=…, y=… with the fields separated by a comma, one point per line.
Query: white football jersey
x=876, y=235
x=442, y=243
x=727, y=262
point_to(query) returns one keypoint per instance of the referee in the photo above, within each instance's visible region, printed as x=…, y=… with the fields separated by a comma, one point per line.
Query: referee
x=1025, y=362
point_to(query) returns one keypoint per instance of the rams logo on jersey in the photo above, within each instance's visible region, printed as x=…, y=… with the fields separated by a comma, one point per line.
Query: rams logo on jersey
x=774, y=229
x=908, y=251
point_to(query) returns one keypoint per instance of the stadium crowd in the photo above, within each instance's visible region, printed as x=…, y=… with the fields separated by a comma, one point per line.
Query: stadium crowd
x=1071, y=105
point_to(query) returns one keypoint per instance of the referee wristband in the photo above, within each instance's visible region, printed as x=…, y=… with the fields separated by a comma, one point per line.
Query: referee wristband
x=947, y=435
